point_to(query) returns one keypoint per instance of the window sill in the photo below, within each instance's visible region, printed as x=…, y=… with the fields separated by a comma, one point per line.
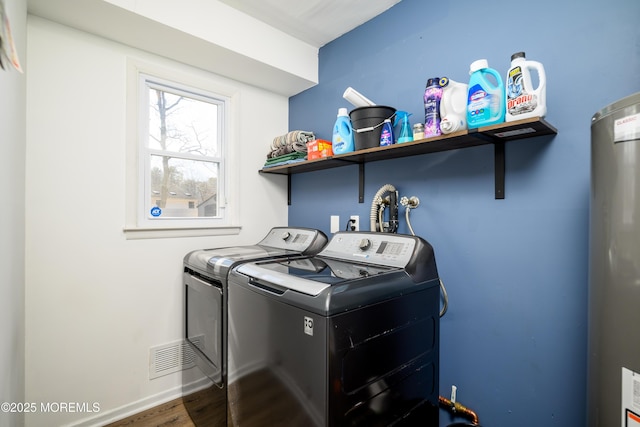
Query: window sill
x=135, y=233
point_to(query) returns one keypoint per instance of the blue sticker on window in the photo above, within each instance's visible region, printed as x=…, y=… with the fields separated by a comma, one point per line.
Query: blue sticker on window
x=156, y=211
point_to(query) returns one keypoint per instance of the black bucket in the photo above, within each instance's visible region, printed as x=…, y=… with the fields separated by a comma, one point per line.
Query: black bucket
x=367, y=124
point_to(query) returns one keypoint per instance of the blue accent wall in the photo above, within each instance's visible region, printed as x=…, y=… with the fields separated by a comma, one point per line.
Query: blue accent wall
x=514, y=340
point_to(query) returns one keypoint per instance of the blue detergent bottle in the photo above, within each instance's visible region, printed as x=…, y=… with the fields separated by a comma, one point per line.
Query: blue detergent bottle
x=342, y=141
x=386, y=135
x=406, y=134
x=485, y=100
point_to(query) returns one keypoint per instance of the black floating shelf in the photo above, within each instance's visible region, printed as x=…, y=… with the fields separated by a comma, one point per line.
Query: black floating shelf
x=495, y=134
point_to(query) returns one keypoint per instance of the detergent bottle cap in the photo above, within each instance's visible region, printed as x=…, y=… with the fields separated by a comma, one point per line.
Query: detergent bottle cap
x=433, y=81
x=342, y=112
x=478, y=65
x=517, y=55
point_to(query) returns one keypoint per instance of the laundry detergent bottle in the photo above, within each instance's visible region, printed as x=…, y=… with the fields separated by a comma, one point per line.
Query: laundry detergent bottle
x=523, y=100
x=386, y=135
x=342, y=141
x=453, y=106
x=432, y=98
x=485, y=99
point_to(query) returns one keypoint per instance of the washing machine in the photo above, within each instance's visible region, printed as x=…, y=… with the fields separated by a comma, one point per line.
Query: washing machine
x=348, y=337
x=205, y=277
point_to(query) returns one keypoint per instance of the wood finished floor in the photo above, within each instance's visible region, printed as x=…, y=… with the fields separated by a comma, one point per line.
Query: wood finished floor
x=176, y=414
x=271, y=405
x=172, y=413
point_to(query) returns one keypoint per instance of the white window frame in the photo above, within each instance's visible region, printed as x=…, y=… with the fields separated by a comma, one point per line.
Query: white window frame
x=198, y=86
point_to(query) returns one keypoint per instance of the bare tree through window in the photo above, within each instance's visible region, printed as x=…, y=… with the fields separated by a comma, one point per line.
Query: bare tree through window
x=184, y=154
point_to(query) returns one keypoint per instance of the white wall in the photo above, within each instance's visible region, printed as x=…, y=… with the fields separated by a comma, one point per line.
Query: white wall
x=97, y=302
x=219, y=38
x=12, y=170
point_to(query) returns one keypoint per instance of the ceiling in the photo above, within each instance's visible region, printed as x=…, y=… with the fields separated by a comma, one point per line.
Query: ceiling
x=316, y=22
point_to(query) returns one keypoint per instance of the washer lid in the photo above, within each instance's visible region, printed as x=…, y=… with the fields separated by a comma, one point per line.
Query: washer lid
x=280, y=241
x=309, y=276
x=217, y=262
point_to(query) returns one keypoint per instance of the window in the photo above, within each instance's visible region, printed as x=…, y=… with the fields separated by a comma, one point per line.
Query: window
x=182, y=160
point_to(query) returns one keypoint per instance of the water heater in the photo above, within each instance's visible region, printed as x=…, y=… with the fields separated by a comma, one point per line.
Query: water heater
x=613, y=396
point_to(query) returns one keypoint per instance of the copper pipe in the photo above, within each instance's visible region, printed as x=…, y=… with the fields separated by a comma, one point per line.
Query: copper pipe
x=457, y=408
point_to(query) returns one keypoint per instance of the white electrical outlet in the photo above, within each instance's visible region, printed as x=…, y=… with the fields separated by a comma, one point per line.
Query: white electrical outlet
x=335, y=223
x=354, y=225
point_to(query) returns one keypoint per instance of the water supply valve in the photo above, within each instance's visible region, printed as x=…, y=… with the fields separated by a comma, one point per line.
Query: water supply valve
x=411, y=202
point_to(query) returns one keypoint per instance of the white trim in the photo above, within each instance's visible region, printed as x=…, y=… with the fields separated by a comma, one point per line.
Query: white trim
x=137, y=226
x=129, y=409
x=150, y=82
x=142, y=405
x=158, y=233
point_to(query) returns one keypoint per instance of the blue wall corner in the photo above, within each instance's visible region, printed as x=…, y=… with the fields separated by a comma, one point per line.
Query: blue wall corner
x=514, y=338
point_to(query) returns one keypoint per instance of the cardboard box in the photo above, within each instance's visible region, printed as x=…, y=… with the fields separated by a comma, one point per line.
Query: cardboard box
x=319, y=148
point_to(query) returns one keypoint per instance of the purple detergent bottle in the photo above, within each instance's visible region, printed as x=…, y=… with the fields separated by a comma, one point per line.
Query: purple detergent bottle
x=432, y=97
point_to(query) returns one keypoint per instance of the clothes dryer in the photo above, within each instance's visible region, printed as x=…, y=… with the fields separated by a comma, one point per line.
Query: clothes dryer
x=205, y=275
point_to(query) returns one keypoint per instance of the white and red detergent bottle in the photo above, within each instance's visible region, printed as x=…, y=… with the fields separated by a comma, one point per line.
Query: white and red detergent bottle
x=523, y=100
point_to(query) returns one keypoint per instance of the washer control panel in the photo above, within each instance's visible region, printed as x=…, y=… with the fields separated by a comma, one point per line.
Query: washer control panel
x=393, y=250
x=295, y=239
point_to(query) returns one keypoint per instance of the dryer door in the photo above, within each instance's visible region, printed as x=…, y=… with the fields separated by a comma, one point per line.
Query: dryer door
x=204, y=323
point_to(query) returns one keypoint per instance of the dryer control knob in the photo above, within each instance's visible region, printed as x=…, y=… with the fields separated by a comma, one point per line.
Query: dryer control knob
x=365, y=244
x=286, y=235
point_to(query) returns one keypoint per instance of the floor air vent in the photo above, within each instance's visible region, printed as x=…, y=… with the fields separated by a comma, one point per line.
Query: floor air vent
x=169, y=358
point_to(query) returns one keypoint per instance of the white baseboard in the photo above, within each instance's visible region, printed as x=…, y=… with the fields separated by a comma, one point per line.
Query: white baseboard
x=127, y=410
